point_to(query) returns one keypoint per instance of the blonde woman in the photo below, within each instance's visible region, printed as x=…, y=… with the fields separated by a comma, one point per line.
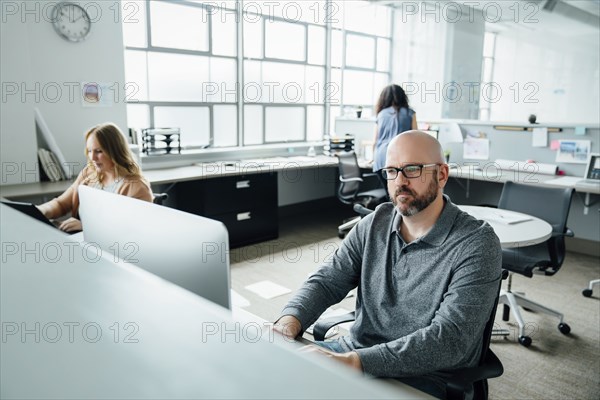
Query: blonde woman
x=111, y=167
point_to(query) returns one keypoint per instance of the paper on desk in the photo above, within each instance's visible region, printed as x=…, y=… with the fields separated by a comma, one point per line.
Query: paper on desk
x=505, y=218
x=539, y=137
x=268, y=289
x=564, y=181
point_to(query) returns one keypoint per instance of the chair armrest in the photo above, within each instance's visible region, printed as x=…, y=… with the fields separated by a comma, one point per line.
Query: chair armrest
x=350, y=179
x=361, y=210
x=368, y=174
x=322, y=326
x=457, y=381
x=568, y=232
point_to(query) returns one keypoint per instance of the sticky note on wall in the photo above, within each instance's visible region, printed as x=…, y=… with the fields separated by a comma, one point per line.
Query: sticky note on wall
x=554, y=145
x=580, y=130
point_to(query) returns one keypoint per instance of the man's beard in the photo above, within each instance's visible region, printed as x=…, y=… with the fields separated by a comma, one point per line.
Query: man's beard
x=413, y=206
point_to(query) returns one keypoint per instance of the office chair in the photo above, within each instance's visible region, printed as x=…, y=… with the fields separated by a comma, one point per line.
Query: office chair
x=349, y=189
x=159, y=198
x=588, y=292
x=551, y=205
x=460, y=383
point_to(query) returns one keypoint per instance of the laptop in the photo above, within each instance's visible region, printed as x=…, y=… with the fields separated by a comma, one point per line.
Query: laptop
x=34, y=212
x=592, y=172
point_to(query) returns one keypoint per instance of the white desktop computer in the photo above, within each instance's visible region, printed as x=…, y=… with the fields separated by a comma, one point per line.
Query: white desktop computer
x=182, y=248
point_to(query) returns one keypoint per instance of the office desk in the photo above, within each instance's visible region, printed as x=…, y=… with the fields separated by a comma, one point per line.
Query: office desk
x=493, y=174
x=196, y=171
x=519, y=234
x=76, y=325
x=242, y=194
x=476, y=187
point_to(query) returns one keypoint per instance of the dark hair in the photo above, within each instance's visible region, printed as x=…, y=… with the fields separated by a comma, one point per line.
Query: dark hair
x=391, y=96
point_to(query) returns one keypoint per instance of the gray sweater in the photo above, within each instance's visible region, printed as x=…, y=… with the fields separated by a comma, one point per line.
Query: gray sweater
x=421, y=306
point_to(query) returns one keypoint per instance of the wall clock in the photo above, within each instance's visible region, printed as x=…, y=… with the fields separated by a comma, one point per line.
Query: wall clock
x=71, y=21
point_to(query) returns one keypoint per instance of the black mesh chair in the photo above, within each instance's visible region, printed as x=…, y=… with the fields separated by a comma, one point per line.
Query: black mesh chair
x=159, y=198
x=349, y=189
x=552, y=205
x=460, y=383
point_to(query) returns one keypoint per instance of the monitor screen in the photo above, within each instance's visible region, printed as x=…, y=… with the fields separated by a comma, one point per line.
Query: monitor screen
x=593, y=169
x=182, y=248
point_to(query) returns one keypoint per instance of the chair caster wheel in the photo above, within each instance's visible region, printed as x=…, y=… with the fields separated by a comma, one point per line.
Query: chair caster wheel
x=587, y=292
x=564, y=328
x=525, y=341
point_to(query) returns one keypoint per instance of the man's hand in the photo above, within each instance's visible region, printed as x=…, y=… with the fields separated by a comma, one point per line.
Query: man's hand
x=351, y=358
x=71, y=224
x=288, y=326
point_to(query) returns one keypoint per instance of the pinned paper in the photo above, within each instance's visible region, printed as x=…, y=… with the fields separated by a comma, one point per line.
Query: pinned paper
x=554, y=145
x=476, y=149
x=580, y=130
x=539, y=137
x=573, y=151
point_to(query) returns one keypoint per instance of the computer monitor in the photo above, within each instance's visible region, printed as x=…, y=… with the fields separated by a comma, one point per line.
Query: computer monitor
x=592, y=171
x=182, y=248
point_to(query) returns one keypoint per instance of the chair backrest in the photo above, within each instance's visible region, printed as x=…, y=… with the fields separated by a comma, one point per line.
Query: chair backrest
x=348, y=169
x=489, y=327
x=550, y=204
x=458, y=382
x=159, y=198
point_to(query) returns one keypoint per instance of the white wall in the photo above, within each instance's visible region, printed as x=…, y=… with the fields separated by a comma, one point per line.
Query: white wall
x=418, y=62
x=36, y=59
x=435, y=58
x=560, y=67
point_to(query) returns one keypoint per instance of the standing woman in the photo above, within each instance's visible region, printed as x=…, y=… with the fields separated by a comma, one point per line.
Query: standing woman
x=393, y=117
x=111, y=167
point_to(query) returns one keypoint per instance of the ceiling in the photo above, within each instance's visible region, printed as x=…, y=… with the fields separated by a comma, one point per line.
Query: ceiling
x=573, y=18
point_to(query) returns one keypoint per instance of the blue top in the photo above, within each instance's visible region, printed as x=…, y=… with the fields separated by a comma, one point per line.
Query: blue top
x=421, y=306
x=389, y=124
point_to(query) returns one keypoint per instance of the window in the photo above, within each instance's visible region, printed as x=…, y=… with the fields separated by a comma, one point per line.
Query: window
x=360, y=55
x=184, y=60
x=181, y=58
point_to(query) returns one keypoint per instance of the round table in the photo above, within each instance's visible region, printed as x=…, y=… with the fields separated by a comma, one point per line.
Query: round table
x=512, y=228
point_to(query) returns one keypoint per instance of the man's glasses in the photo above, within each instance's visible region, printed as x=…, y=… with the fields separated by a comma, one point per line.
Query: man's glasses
x=409, y=171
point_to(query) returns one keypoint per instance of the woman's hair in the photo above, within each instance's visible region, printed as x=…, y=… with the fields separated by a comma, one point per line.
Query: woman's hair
x=391, y=96
x=113, y=143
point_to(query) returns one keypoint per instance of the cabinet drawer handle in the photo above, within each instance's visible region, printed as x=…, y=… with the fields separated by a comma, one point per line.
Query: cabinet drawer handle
x=242, y=184
x=243, y=216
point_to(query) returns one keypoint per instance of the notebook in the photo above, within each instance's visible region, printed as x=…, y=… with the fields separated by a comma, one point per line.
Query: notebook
x=592, y=172
x=34, y=212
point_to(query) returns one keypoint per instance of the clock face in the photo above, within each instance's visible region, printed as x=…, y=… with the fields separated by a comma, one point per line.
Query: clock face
x=71, y=21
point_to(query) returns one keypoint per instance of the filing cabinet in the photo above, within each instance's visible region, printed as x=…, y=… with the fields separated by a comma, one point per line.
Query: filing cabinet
x=246, y=204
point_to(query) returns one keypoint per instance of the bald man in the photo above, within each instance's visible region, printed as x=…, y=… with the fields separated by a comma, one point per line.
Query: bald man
x=427, y=277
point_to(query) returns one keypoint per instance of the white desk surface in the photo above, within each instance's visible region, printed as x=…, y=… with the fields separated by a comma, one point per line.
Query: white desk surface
x=186, y=173
x=111, y=330
x=493, y=174
x=519, y=234
x=276, y=164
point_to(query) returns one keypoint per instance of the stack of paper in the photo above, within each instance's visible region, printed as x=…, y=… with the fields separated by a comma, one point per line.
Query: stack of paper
x=51, y=166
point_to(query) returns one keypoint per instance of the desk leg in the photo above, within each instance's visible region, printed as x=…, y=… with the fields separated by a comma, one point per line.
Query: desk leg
x=468, y=188
x=586, y=203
